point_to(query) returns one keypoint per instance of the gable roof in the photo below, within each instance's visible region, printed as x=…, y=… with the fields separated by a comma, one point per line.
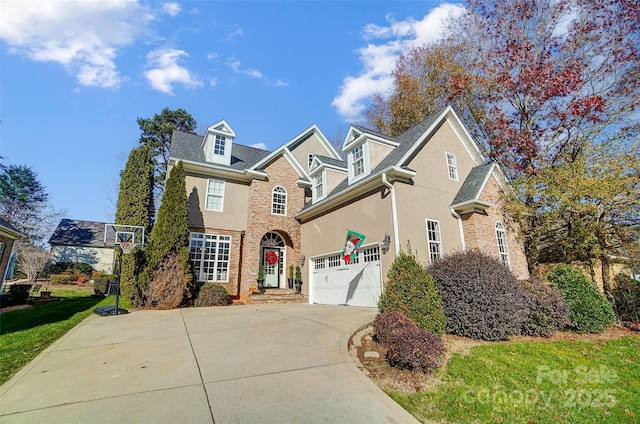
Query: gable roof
x=473, y=185
x=331, y=162
x=409, y=144
x=72, y=232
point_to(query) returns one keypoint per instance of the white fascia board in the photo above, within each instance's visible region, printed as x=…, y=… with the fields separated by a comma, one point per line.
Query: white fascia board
x=214, y=170
x=356, y=189
x=8, y=232
x=461, y=131
x=304, y=183
x=325, y=142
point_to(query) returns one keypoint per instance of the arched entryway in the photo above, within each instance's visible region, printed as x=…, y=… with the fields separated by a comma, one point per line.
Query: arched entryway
x=272, y=252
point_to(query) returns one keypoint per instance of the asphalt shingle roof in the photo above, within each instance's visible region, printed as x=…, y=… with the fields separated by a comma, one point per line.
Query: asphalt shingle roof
x=71, y=232
x=186, y=146
x=470, y=189
x=331, y=161
x=8, y=225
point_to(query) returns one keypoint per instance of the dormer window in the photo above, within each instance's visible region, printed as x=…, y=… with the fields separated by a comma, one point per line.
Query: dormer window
x=358, y=162
x=219, y=144
x=318, y=186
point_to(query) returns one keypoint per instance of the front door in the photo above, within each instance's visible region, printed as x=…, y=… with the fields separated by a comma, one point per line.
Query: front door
x=271, y=261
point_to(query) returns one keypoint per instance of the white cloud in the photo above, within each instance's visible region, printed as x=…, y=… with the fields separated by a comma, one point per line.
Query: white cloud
x=379, y=60
x=235, y=65
x=212, y=55
x=165, y=71
x=235, y=33
x=83, y=36
x=262, y=146
x=171, y=9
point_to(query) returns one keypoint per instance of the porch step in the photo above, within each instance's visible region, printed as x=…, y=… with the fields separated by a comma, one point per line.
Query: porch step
x=272, y=296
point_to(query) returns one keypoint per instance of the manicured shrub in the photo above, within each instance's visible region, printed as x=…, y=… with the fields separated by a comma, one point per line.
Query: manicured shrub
x=481, y=297
x=589, y=310
x=70, y=268
x=212, y=294
x=546, y=310
x=101, y=285
x=387, y=324
x=411, y=290
x=19, y=293
x=62, y=278
x=408, y=347
x=626, y=295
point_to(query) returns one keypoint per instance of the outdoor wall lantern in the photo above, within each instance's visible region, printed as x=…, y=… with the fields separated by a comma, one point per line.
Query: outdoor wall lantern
x=302, y=258
x=385, y=243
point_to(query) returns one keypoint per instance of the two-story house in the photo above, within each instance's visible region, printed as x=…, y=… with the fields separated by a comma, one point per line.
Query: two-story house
x=429, y=188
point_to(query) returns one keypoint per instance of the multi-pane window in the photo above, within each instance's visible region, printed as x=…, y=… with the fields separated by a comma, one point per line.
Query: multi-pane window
x=318, y=185
x=215, y=195
x=210, y=256
x=310, y=161
x=279, y=201
x=503, y=251
x=219, y=145
x=452, y=166
x=357, y=163
x=434, y=240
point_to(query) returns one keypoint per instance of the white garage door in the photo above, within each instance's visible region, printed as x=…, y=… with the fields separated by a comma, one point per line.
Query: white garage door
x=356, y=284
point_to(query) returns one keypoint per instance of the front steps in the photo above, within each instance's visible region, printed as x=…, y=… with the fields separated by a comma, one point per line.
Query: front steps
x=274, y=296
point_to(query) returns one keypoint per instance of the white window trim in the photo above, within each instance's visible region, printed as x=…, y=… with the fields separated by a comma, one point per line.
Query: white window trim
x=223, y=141
x=429, y=241
x=365, y=160
x=206, y=200
x=504, y=257
x=310, y=161
x=198, y=267
x=285, y=194
x=451, y=167
x=323, y=175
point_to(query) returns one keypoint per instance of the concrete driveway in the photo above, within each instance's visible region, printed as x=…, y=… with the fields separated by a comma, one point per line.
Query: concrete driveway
x=236, y=364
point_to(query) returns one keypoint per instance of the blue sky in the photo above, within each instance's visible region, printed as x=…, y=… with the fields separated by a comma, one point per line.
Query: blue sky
x=75, y=76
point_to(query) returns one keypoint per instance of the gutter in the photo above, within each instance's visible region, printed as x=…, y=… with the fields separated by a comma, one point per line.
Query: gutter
x=394, y=214
x=457, y=216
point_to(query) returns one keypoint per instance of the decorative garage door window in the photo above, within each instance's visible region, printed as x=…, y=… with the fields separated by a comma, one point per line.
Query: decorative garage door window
x=370, y=254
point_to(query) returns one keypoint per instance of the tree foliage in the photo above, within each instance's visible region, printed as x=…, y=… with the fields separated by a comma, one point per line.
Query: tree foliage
x=170, y=232
x=23, y=199
x=542, y=82
x=135, y=207
x=156, y=133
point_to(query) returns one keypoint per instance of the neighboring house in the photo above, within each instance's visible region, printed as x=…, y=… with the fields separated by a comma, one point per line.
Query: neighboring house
x=8, y=235
x=429, y=188
x=82, y=241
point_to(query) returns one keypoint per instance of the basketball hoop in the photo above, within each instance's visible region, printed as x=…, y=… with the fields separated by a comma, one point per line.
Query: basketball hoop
x=127, y=246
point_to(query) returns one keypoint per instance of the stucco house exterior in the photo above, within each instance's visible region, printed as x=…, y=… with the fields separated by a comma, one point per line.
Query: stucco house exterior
x=429, y=188
x=82, y=241
x=8, y=236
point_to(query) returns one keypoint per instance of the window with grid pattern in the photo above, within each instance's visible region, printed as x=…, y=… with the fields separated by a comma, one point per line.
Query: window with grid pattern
x=215, y=195
x=434, y=240
x=210, y=255
x=318, y=186
x=219, y=145
x=279, y=201
x=358, y=161
x=452, y=166
x=503, y=251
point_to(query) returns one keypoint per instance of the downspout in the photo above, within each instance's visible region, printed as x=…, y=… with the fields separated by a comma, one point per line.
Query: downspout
x=239, y=284
x=394, y=214
x=457, y=216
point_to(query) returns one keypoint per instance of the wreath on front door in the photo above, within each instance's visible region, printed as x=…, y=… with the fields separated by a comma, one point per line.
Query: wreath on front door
x=271, y=257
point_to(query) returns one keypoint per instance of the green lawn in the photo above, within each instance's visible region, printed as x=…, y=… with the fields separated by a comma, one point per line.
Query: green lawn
x=25, y=333
x=536, y=382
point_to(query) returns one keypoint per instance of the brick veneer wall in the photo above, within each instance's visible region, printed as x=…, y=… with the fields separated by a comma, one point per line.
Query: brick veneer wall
x=480, y=233
x=261, y=221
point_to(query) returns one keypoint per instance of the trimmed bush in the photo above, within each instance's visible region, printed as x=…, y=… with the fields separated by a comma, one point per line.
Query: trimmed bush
x=19, y=293
x=547, y=311
x=627, y=297
x=589, y=310
x=70, y=267
x=481, y=297
x=387, y=324
x=212, y=294
x=411, y=290
x=408, y=347
x=167, y=288
x=101, y=285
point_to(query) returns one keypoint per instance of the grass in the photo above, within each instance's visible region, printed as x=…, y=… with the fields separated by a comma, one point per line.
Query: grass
x=536, y=382
x=25, y=333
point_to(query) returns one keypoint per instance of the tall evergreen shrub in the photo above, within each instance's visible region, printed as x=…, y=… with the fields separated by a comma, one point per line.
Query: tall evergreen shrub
x=589, y=310
x=135, y=207
x=411, y=290
x=171, y=230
